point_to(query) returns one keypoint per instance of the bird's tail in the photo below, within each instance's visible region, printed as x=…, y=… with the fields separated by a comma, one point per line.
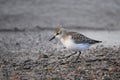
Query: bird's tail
x=96, y=41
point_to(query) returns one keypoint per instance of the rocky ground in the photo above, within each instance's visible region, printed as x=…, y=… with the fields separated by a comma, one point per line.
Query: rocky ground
x=28, y=55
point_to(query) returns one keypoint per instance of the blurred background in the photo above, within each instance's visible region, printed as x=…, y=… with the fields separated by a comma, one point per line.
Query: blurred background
x=88, y=14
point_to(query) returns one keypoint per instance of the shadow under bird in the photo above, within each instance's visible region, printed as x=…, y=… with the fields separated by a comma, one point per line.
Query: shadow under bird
x=73, y=40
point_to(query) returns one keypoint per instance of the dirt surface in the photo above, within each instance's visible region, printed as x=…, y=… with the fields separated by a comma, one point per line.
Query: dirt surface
x=29, y=55
x=97, y=64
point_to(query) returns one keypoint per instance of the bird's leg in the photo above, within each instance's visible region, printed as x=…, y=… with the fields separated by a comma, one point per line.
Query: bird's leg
x=71, y=55
x=78, y=55
x=68, y=55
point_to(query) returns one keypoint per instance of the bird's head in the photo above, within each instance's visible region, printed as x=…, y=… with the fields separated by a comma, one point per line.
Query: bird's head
x=58, y=33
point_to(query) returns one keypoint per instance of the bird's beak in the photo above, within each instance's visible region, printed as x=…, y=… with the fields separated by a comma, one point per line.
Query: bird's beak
x=52, y=38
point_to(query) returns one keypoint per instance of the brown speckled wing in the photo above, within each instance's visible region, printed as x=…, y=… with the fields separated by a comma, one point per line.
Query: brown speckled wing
x=79, y=38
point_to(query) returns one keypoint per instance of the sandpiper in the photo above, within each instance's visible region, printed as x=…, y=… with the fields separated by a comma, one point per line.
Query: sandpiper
x=73, y=40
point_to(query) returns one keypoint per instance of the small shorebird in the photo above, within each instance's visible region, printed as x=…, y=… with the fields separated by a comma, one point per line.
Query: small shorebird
x=73, y=40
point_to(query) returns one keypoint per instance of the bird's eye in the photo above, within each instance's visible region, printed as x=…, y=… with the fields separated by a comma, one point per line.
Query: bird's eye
x=57, y=33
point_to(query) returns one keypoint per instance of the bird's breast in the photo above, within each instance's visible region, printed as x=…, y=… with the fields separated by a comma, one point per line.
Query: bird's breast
x=67, y=43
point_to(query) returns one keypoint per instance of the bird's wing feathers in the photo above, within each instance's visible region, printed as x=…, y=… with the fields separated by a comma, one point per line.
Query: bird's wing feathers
x=79, y=38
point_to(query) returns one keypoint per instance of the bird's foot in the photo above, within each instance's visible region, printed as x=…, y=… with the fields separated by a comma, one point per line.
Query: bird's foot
x=72, y=59
x=78, y=56
x=70, y=55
